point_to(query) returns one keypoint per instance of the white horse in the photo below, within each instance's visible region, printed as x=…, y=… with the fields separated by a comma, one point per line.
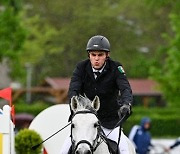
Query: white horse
x=55, y=117
x=86, y=133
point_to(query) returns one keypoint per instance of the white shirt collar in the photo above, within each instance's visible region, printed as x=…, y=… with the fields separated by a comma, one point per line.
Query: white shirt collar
x=95, y=70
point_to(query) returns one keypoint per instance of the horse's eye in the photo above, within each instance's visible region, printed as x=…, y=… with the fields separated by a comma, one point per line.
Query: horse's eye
x=72, y=125
x=96, y=125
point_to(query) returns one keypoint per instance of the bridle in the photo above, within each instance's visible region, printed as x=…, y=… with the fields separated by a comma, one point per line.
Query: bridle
x=96, y=141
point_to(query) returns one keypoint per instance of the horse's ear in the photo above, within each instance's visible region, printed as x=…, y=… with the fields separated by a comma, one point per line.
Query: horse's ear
x=74, y=103
x=96, y=103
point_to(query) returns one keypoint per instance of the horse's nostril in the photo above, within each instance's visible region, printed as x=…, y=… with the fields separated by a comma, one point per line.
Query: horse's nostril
x=77, y=152
x=85, y=152
x=88, y=152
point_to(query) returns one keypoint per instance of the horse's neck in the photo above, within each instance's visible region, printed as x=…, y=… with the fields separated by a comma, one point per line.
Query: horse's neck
x=102, y=149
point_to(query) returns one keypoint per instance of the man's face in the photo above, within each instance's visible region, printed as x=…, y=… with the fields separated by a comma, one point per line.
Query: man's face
x=147, y=126
x=98, y=58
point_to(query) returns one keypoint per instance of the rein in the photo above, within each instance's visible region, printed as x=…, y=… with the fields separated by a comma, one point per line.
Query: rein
x=37, y=145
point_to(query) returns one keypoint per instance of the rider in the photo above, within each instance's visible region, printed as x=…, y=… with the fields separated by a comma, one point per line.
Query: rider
x=100, y=75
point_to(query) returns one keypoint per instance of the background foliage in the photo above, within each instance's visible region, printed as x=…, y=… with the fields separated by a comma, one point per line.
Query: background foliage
x=166, y=64
x=52, y=36
x=164, y=122
x=12, y=35
x=25, y=140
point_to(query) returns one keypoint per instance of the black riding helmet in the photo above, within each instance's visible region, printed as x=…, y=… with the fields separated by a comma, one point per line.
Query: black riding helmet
x=99, y=43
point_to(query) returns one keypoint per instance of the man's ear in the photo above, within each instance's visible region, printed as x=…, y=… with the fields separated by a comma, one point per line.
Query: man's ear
x=88, y=54
x=107, y=55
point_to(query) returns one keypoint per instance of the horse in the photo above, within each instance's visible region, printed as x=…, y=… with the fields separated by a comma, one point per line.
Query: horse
x=86, y=134
x=54, y=118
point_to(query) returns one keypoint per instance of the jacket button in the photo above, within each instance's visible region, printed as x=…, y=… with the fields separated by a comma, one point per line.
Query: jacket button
x=95, y=88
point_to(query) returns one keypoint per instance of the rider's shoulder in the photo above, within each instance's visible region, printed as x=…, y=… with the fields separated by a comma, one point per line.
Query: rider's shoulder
x=114, y=63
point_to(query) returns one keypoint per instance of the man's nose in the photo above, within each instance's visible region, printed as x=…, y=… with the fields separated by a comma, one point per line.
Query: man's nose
x=97, y=57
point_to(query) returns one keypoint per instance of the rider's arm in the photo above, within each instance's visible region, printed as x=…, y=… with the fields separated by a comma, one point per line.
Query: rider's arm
x=75, y=87
x=124, y=86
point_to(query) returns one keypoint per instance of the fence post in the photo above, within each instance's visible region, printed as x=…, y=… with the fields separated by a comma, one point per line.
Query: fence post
x=6, y=131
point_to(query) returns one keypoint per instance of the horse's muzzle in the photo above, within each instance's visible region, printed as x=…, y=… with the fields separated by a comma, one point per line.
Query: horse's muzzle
x=83, y=147
x=83, y=152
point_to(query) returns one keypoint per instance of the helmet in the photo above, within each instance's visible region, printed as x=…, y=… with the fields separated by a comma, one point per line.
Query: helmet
x=98, y=42
x=145, y=120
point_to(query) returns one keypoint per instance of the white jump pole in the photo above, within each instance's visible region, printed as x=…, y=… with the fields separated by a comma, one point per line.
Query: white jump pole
x=6, y=131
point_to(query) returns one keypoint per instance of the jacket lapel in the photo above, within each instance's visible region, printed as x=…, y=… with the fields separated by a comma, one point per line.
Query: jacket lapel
x=106, y=68
x=91, y=74
x=89, y=70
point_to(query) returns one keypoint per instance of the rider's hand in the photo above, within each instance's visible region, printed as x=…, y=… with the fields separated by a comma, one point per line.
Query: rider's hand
x=124, y=110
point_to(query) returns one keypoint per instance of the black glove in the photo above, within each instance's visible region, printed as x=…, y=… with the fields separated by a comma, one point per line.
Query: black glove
x=124, y=110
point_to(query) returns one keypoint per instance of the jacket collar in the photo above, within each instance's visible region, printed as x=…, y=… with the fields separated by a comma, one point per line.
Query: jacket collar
x=90, y=71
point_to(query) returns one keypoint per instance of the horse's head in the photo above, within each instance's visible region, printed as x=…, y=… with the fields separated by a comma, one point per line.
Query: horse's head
x=85, y=124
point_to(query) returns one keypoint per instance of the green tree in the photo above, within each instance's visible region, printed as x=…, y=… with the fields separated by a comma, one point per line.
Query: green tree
x=76, y=23
x=167, y=65
x=12, y=35
x=23, y=38
x=40, y=42
x=134, y=29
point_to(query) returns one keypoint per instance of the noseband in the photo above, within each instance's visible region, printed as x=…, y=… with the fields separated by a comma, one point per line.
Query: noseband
x=95, y=142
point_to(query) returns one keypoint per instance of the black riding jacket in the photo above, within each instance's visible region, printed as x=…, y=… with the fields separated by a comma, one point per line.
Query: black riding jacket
x=107, y=86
